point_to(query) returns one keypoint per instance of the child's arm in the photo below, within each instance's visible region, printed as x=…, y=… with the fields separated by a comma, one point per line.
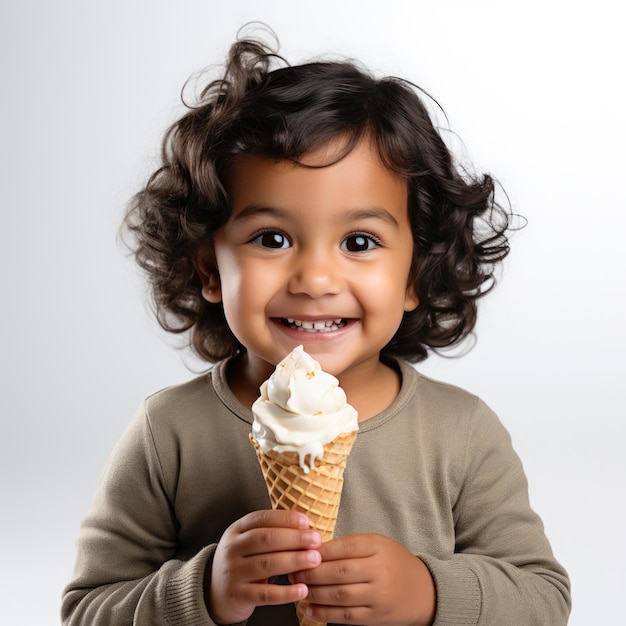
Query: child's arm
x=133, y=567
x=126, y=546
x=498, y=567
x=502, y=558
x=126, y=570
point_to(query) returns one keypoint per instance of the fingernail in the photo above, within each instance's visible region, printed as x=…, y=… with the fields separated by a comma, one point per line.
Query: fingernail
x=313, y=557
x=303, y=591
x=303, y=521
x=313, y=538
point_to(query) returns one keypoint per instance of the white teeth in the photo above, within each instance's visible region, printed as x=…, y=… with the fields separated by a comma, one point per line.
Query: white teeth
x=316, y=327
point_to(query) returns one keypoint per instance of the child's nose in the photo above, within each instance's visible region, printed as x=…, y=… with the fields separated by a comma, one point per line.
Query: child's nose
x=316, y=274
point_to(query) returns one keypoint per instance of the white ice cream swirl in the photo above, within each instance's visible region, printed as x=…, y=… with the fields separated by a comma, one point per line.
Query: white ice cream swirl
x=301, y=409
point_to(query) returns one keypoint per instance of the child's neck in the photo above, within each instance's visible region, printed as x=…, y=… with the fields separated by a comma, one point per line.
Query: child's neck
x=370, y=388
x=371, y=392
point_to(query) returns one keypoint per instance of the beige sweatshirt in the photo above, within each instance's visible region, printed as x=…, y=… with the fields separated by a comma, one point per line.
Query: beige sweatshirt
x=435, y=472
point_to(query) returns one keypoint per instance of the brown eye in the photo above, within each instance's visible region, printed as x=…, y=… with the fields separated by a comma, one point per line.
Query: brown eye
x=359, y=242
x=272, y=239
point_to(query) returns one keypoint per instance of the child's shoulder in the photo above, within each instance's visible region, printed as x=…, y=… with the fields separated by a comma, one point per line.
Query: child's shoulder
x=182, y=402
x=440, y=400
x=192, y=400
x=181, y=394
x=430, y=390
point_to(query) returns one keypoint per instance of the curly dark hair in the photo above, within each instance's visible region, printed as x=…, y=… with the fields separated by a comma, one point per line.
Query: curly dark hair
x=263, y=106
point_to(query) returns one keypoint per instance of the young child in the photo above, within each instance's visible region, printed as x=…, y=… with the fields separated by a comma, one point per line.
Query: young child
x=315, y=205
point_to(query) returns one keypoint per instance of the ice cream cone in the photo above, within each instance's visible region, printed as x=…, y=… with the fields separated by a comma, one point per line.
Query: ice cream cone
x=303, y=430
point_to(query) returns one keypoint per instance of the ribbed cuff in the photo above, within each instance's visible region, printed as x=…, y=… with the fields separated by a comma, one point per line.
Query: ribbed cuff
x=184, y=593
x=459, y=598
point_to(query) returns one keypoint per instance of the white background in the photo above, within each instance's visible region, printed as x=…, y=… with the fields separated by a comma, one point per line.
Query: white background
x=536, y=92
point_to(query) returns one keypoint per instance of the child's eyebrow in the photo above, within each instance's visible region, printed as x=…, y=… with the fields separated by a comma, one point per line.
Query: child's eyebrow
x=255, y=209
x=380, y=213
x=353, y=215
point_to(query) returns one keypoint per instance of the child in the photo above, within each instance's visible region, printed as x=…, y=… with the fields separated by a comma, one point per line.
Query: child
x=315, y=205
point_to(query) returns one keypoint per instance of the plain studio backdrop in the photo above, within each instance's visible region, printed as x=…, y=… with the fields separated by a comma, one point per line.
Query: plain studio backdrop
x=536, y=94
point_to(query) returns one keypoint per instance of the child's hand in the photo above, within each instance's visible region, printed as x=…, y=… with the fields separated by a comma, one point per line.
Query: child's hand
x=256, y=547
x=369, y=579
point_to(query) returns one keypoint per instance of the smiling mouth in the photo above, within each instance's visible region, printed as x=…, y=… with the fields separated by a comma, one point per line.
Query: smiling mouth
x=316, y=326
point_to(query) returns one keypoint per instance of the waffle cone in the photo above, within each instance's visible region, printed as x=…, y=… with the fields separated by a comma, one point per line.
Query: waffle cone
x=317, y=494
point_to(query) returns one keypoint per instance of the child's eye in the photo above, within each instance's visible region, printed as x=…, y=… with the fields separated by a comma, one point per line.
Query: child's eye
x=359, y=242
x=271, y=239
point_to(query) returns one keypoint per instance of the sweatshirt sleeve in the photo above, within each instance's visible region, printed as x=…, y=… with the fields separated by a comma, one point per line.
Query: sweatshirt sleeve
x=126, y=569
x=502, y=570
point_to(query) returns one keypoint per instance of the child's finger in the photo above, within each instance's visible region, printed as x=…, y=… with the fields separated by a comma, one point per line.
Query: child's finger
x=272, y=540
x=334, y=574
x=267, y=566
x=264, y=594
x=272, y=518
x=337, y=614
x=349, y=547
x=357, y=594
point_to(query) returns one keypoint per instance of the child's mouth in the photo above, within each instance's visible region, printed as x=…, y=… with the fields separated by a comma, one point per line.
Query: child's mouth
x=316, y=326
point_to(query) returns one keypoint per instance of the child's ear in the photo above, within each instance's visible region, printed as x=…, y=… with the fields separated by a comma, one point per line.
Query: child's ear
x=206, y=266
x=411, y=301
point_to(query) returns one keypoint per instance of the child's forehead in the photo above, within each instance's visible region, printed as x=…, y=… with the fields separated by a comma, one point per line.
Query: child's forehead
x=334, y=156
x=356, y=181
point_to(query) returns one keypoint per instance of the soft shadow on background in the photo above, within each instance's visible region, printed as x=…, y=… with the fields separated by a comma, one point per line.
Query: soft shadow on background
x=536, y=93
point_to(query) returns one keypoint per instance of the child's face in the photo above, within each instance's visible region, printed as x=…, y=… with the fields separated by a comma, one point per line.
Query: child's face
x=315, y=256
